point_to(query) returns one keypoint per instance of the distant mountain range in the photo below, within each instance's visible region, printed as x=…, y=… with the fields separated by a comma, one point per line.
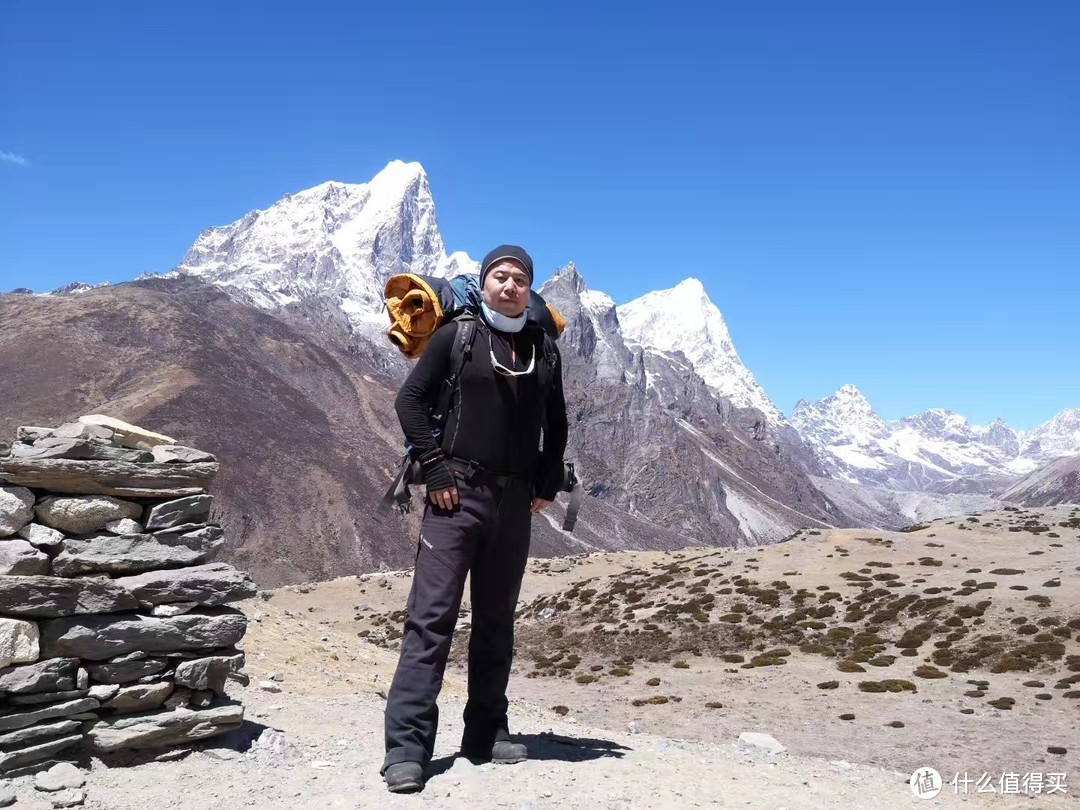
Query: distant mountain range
x=934, y=451
x=678, y=441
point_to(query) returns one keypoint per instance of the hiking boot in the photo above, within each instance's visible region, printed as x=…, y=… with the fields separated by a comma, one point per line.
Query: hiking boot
x=506, y=752
x=404, y=777
x=502, y=752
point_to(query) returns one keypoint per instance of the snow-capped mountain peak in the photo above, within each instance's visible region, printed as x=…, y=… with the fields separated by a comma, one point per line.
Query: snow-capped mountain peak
x=684, y=319
x=843, y=418
x=940, y=423
x=335, y=240
x=1059, y=436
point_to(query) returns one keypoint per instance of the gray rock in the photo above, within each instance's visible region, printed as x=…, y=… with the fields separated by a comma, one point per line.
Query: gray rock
x=24, y=756
x=127, y=671
x=62, y=776
x=19, y=642
x=50, y=675
x=169, y=535
x=124, y=526
x=135, y=553
x=81, y=430
x=166, y=453
x=173, y=609
x=103, y=692
x=208, y=673
x=46, y=697
x=19, y=558
x=37, y=734
x=156, y=729
x=172, y=754
x=180, y=698
x=28, y=717
x=83, y=514
x=16, y=509
x=82, y=679
x=211, y=584
x=201, y=698
x=761, y=742
x=116, y=478
x=29, y=433
x=269, y=686
x=33, y=768
x=195, y=509
x=69, y=798
x=139, y=698
x=7, y=795
x=52, y=597
x=57, y=447
x=41, y=537
x=127, y=434
x=101, y=637
x=52, y=447
x=154, y=678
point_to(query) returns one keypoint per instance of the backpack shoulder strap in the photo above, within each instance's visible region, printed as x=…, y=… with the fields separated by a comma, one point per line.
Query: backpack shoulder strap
x=460, y=353
x=548, y=369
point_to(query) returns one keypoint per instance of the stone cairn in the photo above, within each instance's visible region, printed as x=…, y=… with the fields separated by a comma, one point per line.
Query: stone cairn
x=113, y=633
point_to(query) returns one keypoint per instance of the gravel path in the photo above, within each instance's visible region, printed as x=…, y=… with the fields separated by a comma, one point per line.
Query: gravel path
x=324, y=752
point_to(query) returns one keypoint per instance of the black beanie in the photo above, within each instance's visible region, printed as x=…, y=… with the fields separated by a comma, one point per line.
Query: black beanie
x=506, y=252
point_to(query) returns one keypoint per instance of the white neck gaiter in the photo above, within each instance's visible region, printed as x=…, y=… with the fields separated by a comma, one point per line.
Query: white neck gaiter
x=504, y=323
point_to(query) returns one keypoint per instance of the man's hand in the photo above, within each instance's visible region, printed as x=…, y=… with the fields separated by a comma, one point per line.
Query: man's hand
x=445, y=498
x=539, y=505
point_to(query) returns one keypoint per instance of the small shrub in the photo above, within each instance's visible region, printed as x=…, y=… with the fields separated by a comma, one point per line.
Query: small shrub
x=927, y=671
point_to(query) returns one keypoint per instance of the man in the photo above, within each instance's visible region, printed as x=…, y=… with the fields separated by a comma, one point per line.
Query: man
x=485, y=478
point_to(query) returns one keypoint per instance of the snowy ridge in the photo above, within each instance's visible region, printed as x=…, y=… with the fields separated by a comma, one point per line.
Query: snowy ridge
x=684, y=319
x=336, y=240
x=1053, y=439
x=919, y=451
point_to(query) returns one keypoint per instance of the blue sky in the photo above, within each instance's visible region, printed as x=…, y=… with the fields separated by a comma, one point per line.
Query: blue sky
x=884, y=194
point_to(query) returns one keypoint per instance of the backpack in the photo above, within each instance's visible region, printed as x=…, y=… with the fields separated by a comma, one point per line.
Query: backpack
x=418, y=305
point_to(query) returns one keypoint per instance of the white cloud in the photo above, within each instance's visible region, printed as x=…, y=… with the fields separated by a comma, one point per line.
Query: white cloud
x=11, y=157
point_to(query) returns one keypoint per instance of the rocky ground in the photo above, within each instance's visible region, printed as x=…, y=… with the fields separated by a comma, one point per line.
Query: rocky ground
x=865, y=654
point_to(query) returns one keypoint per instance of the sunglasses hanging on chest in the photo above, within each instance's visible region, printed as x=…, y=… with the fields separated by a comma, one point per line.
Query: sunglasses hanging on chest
x=507, y=372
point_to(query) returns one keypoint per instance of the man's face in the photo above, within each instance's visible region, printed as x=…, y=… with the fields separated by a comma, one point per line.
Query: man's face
x=506, y=288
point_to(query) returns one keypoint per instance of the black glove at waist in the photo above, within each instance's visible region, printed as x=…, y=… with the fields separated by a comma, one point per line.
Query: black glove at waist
x=436, y=472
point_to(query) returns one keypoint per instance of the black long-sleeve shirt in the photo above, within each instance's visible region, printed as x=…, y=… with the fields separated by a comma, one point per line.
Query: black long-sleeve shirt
x=496, y=420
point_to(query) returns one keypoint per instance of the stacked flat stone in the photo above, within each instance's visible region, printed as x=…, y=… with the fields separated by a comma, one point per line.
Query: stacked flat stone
x=114, y=629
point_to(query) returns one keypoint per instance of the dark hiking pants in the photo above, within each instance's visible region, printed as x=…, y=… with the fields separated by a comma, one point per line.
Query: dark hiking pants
x=487, y=534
